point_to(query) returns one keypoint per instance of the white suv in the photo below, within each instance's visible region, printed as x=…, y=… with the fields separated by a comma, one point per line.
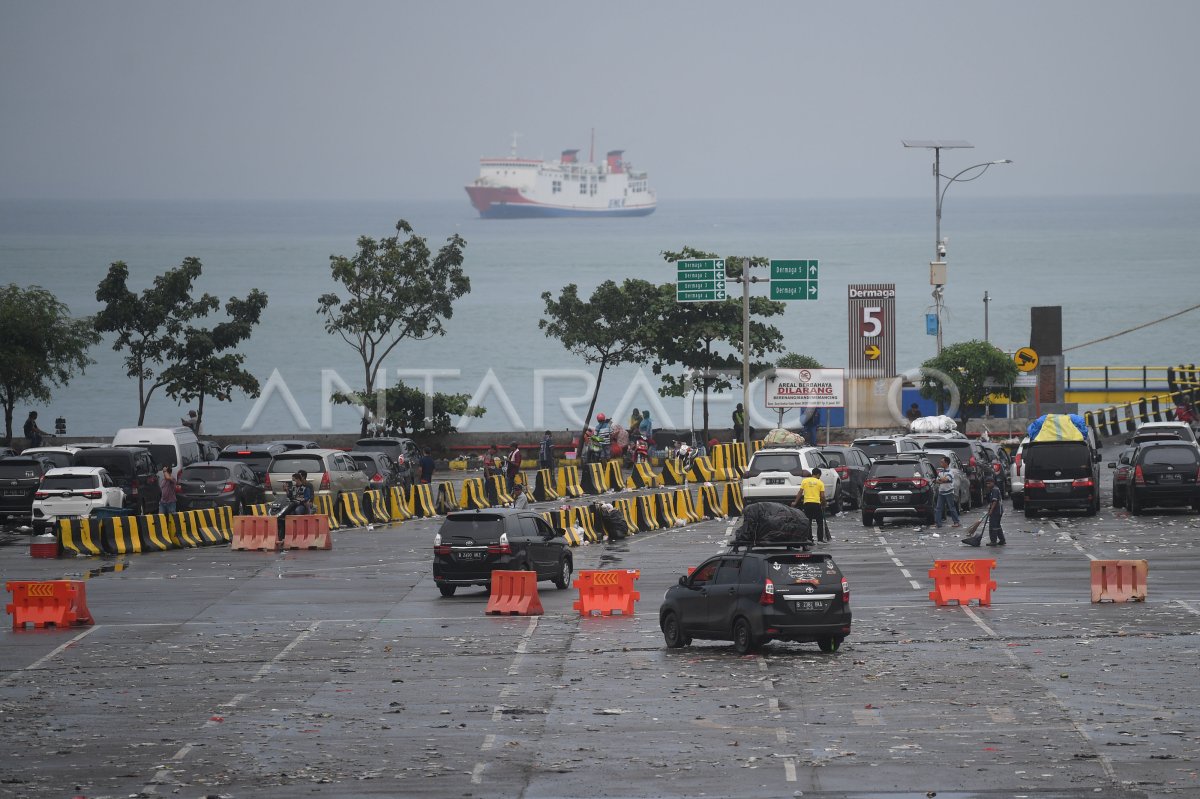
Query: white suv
x=73, y=492
x=1016, y=476
x=1181, y=430
x=774, y=475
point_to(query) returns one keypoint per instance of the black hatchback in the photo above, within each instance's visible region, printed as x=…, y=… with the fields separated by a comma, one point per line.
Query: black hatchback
x=902, y=485
x=1162, y=473
x=472, y=544
x=757, y=596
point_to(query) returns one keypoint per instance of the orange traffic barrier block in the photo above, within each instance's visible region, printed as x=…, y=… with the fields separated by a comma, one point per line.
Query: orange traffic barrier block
x=54, y=603
x=255, y=532
x=1119, y=580
x=606, y=592
x=306, y=532
x=514, y=593
x=961, y=581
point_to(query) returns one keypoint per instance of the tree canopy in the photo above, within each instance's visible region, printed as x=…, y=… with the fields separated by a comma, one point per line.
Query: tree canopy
x=397, y=289
x=409, y=410
x=41, y=346
x=149, y=326
x=977, y=368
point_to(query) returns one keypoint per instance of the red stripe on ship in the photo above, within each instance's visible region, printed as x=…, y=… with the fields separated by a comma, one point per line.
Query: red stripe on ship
x=484, y=197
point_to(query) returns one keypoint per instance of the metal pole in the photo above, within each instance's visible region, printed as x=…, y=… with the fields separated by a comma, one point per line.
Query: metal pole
x=746, y=350
x=986, y=301
x=937, y=236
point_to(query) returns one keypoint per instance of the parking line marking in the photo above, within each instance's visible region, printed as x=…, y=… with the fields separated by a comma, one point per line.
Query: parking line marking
x=789, y=769
x=897, y=562
x=773, y=703
x=975, y=618
x=906, y=574
x=781, y=736
x=37, y=664
x=868, y=718
x=477, y=773
x=1183, y=603
x=488, y=742
x=915, y=584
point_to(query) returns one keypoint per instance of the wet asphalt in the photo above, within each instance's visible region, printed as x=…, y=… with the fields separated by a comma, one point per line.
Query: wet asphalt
x=212, y=673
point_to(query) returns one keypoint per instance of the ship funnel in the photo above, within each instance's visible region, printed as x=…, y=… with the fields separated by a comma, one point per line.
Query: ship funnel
x=615, y=165
x=570, y=156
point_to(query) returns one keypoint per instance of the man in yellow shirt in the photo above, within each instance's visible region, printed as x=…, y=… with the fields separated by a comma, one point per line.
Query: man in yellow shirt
x=811, y=499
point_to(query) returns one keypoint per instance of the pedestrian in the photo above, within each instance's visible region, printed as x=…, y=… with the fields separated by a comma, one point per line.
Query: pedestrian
x=913, y=413
x=306, y=495
x=520, y=498
x=995, y=513
x=167, y=491
x=514, y=465
x=426, y=465
x=602, y=440
x=491, y=469
x=635, y=421
x=947, y=495
x=647, y=428
x=546, y=452
x=812, y=425
x=811, y=499
x=191, y=422
x=33, y=433
x=739, y=421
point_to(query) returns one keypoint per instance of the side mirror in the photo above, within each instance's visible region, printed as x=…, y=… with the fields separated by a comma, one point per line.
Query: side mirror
x=683, y=579
x=1096, y=457
x=1112, y=465
x=1129, y=441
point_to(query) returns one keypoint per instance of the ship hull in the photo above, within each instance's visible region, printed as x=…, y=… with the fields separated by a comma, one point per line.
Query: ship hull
x=508, y=203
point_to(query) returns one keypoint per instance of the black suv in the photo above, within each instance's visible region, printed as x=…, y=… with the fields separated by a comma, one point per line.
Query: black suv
x=900, y=485
x=1161, y=473
x=20, y=477
x=757, y=596
x=256, y=456
x=472, y=544
x=403, y=451
x=1061, y=475
x=132, y=469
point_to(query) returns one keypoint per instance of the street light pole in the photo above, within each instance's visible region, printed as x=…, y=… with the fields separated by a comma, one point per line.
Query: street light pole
x=986, y=302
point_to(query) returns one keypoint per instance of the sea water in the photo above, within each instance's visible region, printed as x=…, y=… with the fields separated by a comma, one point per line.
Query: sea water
x=1112, y=263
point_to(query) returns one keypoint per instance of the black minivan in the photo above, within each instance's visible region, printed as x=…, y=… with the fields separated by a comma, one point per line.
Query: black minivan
x=1061, y=475
x=472, y=544
x=132, y=468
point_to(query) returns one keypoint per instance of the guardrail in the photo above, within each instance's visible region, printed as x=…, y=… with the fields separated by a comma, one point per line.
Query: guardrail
x=1124, y=378
x=1183, y=389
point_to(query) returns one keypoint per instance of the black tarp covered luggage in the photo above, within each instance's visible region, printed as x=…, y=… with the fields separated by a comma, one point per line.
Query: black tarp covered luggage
x=773, y=523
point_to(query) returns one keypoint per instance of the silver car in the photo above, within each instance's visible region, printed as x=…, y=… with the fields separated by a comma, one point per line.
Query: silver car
x=331, y=472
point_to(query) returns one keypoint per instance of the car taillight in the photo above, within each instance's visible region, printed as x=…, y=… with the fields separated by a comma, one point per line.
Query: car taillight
x=1084, y=483
x=378, y=478
x=502, y=548
x=996, y=468
x=972, y=462
x=40, y=494
x=843, y=471
x=1138, y=477
x=1035, y=484
x=92, y=495
x=872, y=483
x=1017, y=462
x=768, y=594
x=325, y=481
x=228, y=487
x=845, y=590
x=441, y=549
x=266, y=482
x=920, y=482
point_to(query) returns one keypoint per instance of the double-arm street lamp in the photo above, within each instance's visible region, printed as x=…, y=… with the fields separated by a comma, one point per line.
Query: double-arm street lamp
x=937, y=267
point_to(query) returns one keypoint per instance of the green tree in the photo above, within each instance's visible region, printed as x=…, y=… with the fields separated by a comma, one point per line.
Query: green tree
x=613, y=327
x=705, y=338
x=795, y=360
x=202, y=367
x=410, y=410
x=149, y=326
x=397, y=289
x=972, y=366
x=41, y=347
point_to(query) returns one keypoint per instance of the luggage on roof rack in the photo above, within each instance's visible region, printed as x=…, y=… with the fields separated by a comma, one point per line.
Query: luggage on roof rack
x=772, y=524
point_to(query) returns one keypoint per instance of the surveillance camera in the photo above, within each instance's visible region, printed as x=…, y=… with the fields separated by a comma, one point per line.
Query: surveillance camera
x=942, y=250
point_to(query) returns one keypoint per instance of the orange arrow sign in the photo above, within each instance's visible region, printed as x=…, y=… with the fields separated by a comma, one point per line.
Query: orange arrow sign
x=872, y=352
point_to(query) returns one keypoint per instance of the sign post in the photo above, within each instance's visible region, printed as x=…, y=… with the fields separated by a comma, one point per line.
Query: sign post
x=700, y=281
x=794, y=280
x=872, y=329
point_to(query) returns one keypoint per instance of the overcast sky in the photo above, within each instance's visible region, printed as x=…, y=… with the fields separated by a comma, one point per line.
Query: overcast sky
x=398, y=100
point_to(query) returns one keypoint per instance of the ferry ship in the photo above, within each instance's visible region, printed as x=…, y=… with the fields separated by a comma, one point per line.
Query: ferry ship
x=516, y=188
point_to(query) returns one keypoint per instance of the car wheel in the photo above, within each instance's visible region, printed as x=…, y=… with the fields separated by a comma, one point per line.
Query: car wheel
x=1018, y=501
x=1135, y=507
x=867, y=519
x=929, y=518
x=1030, y=512
x=447, y=590
x=743, y=636
x=837, y=498
x=1118, y=500
x=829, y=645
x=563, y=580
x=672, y=632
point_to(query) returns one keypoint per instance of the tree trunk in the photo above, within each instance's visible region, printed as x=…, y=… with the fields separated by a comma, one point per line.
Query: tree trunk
x=370, y=384
x=199, y=414
x=143, y=400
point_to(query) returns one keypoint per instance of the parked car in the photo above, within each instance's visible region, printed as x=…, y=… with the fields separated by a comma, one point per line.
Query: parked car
x=1121, y=468
x=968, y=453
x=997, y=459
x=169, y=446
x=880, y=446
x=215, y=484
x=61, y=457
x=757, y=596
x=1164, y=474
x=1016, y=479
x=851, y=464
x=774, y=475
x=20, y=477
x=331, y=471
x=1061, y=475
x=132, y=469
x=899, y=485
x=962, y=490
x=209, y=450
x=1181, y=430
x=470, y=545
x=256, y=456
x=7, y=452
x=403, y=451
x=296, y=443
x=73, y=492
x=380, y=469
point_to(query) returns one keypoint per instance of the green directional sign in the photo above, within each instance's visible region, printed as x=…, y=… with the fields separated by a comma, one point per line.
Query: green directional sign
x=794, y=280
x=700, y=280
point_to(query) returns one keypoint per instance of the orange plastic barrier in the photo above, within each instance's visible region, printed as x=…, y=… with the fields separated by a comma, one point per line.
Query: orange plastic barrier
x=1119, y=580
x=306, y=532
x=255, y=532
x=514, y=593
x=55, y=603
x=961, y=581
x=606, y=592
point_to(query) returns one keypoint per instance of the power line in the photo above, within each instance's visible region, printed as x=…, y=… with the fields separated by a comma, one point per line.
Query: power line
x=1132, y=329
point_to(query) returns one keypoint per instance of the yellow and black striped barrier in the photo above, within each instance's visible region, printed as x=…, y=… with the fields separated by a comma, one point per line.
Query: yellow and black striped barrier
x=595, y=478
x=378, y=507
x=399, y=504
x=447, y=499
x=500, y=490
x=613, y=478
x=422, y=501
x=570, y=482
x=543, y=486
x=352, y=514
x=647, y=514
x=672, y=472
x=665, y=509
x=642, y=476
x=628, y=508
x=323, y=504
x=708, y=504
x=473, y=497
x=702, y=470
x=80, y=536
x=685, y=508
x=732, y=499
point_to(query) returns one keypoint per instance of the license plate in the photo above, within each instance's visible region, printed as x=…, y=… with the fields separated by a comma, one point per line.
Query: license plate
x=469, y=555
x=809, y=605
x=14, y=492
x=774, y=481
x=1170, y=478
x=894, y=498
x=1057, y=488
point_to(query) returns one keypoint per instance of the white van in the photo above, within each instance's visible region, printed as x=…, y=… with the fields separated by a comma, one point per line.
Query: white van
x=169, y=446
